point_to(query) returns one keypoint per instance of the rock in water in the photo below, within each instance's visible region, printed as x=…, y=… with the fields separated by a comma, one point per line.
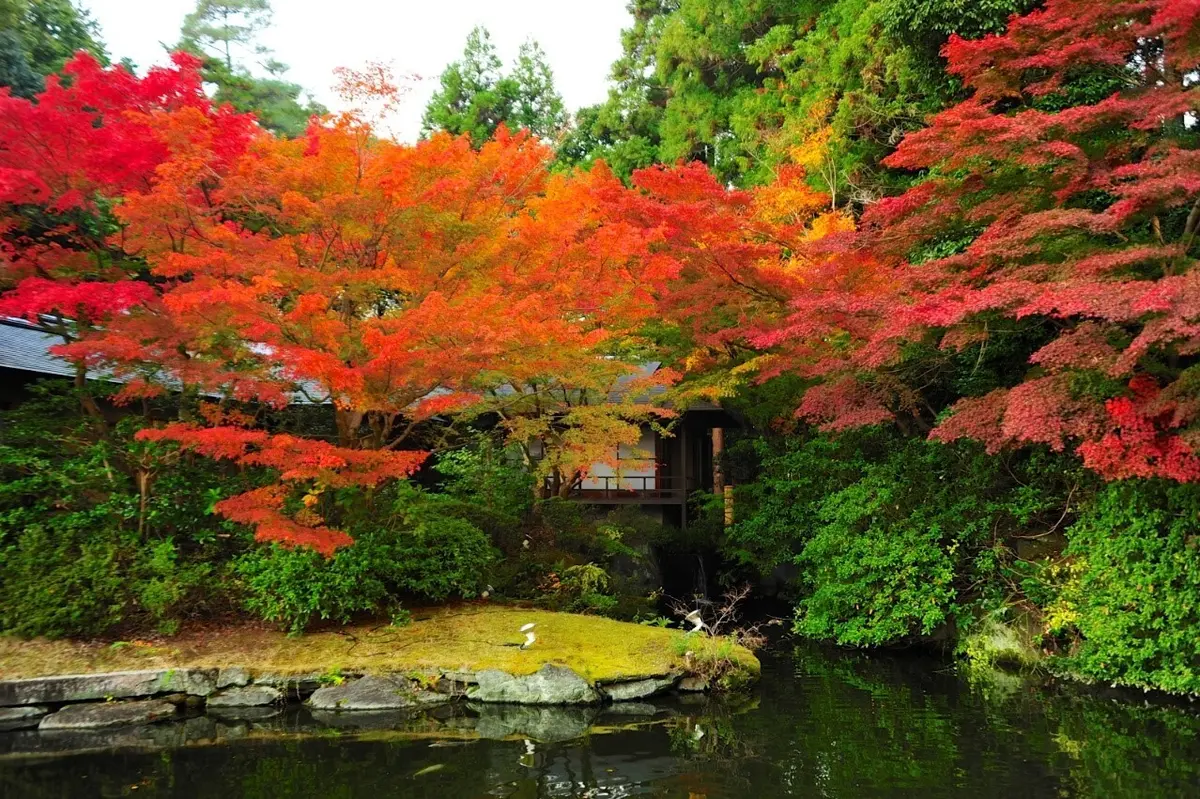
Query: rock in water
x=372, y=693
x=545, y=724
x=551, y=685
x=98, y=715
x=248, y=696
x=639, y=689
x=20, y=718
x=113, y=685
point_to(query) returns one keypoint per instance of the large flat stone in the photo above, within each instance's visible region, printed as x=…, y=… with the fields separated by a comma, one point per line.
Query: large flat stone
x=231, y=676
x=247, y=696
x=20, y=718
x=372, y=693
x=639, y=689
x=550, y=685
x=113, y=685
x=297, y=685
x=98, y=715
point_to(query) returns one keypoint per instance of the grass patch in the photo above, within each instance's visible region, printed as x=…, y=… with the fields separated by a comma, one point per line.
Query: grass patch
x=464, y=637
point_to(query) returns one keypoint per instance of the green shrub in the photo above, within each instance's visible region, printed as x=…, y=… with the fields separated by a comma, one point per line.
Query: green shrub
x=437, y=558
x=586, y=589
x=81, y=550
x=779, y=511
x=1135, y=592
x=410, y=549
x=296, y=586
x=62, y=578
x=493, y=488
x=165, y=583
x=891, y=555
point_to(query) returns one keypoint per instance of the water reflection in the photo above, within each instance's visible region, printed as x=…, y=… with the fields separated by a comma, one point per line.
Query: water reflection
x=821, y=724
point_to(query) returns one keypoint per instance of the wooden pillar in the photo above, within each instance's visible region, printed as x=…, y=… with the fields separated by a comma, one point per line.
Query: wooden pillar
x=681, y=470
x=718, y=444
x=719, y=486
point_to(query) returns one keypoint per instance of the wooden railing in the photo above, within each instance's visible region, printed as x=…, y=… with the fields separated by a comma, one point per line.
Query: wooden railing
x=632, y=488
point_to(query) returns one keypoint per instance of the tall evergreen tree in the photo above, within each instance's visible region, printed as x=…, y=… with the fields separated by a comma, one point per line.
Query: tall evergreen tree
x=476, y=96
x=225, y=33
x=220, y=27
x=624, y=130
x=537, y=106
x=741, y=86
x=38, y=36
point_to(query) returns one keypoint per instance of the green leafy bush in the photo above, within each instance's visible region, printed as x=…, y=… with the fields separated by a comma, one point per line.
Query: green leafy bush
x=296, y=586
x=891, y=556
x=62, y=578
x=437, y=558
x=82, y=549
x=779, y=511
x=1135, y=592
x=411, y=548
x=493, y=488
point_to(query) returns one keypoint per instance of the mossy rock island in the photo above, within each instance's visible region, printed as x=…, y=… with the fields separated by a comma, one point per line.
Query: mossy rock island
x=469, y=651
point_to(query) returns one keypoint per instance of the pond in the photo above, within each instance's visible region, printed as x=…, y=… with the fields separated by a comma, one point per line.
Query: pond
x=823, y=723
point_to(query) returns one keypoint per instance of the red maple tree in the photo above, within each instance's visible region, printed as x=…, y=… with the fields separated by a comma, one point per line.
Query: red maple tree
x=1066, y=188
x=66, y=158
x=387, y=282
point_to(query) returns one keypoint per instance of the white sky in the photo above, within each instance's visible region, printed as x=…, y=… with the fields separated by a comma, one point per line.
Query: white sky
x=581, y=39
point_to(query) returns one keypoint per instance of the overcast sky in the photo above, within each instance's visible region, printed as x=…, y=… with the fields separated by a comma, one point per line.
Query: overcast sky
x=580, y=37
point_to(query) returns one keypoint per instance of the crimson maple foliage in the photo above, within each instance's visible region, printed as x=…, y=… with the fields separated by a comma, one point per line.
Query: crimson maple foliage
x=1066, y=188
x=94, y=135
x=391, y=283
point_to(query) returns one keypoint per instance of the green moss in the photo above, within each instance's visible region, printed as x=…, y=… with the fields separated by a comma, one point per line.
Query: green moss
x=1004, y=646
x=466, y=637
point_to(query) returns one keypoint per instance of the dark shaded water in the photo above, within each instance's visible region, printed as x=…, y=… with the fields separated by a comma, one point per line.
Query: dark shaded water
x=822, y=724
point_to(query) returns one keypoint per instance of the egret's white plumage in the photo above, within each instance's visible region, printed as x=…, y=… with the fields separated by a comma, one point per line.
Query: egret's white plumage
x=696, y=621
x=529, y=636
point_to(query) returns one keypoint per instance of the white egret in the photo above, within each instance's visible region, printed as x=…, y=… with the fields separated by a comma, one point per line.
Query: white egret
x=529, y=636
x=694, y=619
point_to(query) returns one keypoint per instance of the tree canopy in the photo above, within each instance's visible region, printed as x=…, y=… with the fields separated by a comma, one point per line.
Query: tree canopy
x=475, y=96
x=37, y=37
x=225, y=33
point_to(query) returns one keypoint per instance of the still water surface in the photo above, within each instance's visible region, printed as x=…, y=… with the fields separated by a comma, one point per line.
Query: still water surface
x=821, y=724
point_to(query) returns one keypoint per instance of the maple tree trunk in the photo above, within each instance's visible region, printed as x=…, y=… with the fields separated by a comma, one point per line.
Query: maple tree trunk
x=86, y=401
x=347, y=426
x=1191, y=226
x=563, y=487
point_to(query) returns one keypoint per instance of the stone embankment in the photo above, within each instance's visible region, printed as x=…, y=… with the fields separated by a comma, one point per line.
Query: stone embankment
x=76, y=702
x=581, y=661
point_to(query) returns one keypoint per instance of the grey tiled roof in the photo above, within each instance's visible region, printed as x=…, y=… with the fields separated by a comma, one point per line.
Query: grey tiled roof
x=26, y=348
